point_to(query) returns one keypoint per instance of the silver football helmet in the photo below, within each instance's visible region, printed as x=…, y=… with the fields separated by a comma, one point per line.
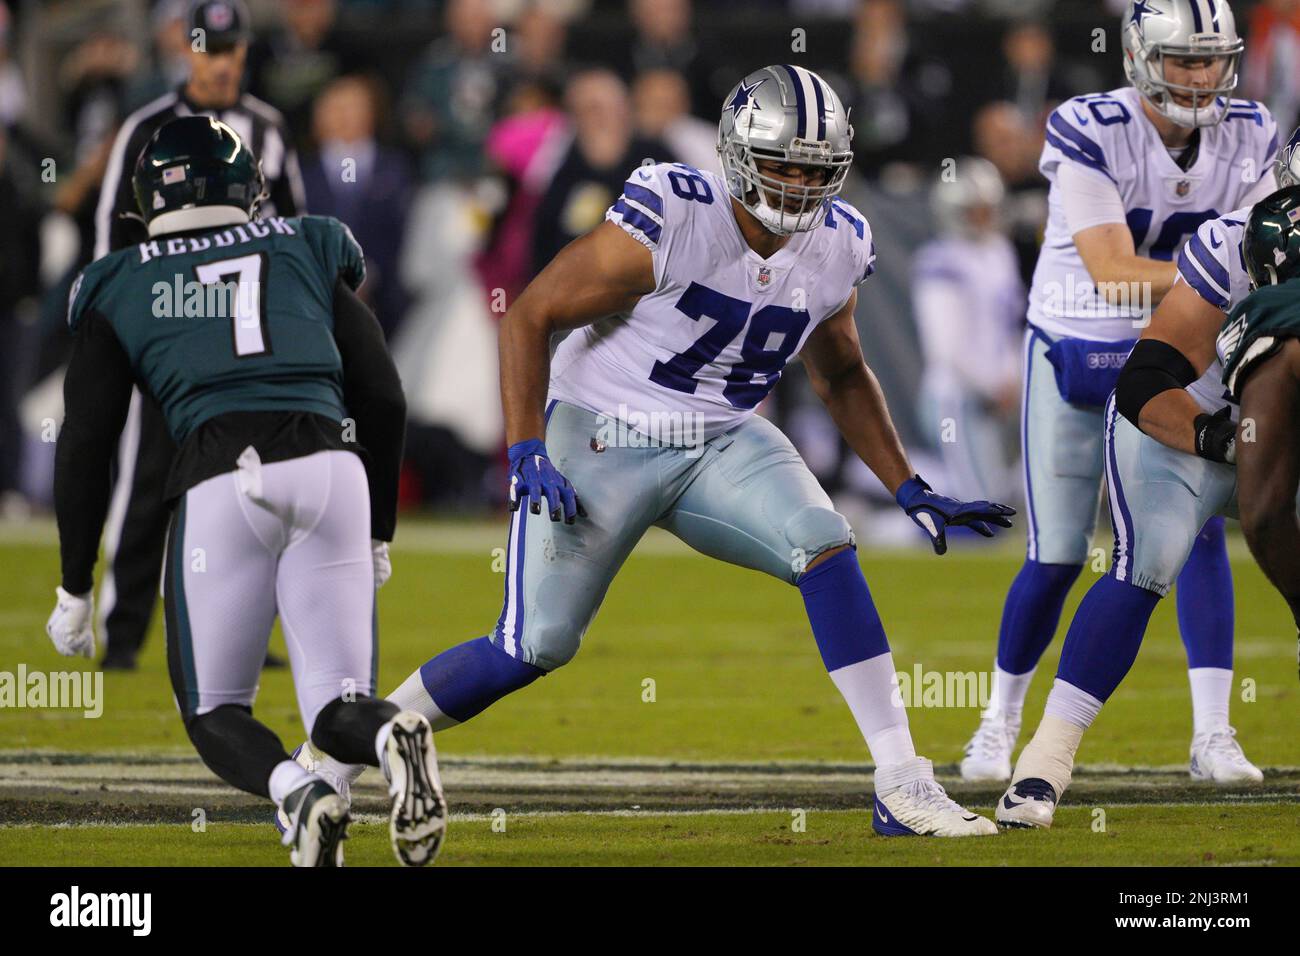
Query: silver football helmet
x=1288, y=162
x=791, y=115
x=974, y=184
x=1155, y=31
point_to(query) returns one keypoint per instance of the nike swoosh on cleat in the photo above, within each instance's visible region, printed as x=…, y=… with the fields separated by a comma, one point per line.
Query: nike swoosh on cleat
x=883, y=818
x=1009, y=804
x=970, y=818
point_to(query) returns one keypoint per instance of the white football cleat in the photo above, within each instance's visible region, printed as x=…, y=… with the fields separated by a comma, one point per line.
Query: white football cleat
x=910, y=802
x=419, y=819
x=311, y=760
x=988, y=754
x=318, y=825
x=1218, y=758
x=1029, y=802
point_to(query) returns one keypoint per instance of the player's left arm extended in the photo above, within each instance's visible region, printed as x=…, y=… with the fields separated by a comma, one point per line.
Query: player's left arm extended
x=852, y=395
x=1268, y=470
x=96, y=397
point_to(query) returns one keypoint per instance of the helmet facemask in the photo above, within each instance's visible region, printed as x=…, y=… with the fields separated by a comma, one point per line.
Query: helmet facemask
x=781, y=206
x=1146, y=65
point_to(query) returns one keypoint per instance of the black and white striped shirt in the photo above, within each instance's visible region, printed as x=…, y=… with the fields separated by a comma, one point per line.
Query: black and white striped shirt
x=260, y=126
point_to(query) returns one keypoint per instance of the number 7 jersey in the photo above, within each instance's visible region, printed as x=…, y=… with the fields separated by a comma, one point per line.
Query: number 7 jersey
x=710, y=342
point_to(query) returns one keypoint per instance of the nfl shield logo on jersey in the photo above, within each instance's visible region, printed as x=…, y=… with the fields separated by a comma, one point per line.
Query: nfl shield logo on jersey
x=1182, y=188
x=764, y=277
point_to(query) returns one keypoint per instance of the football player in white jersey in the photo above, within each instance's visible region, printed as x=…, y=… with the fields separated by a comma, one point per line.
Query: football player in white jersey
x=684, y=306
x=1133, y=173
x=1170, y=455
x=969, y=303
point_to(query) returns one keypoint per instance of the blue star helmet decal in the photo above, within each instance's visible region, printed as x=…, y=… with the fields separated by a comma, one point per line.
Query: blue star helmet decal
x=743, y=96
x=1140, y=11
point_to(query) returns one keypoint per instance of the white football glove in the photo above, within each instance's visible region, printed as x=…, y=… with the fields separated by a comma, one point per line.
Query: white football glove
x=71, y=626
x=383, y=563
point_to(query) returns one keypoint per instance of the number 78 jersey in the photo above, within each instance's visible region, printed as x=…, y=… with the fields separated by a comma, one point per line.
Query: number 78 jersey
x=710, y=342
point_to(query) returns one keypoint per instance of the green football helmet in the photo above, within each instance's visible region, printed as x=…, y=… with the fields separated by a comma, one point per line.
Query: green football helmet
x=1270, y=243
x=194, y=162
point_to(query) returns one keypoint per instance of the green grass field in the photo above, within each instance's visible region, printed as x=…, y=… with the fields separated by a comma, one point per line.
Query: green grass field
x=744, y=728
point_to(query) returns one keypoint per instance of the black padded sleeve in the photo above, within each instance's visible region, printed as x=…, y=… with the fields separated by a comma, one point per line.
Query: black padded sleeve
x=1152, y=367
x=372, y=393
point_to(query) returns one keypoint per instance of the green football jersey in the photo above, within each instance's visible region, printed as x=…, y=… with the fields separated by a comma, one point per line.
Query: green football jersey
x=229, y=319
x=1255, y=329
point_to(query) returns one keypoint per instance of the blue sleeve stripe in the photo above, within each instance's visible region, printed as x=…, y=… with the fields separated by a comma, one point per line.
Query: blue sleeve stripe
x=1272, y=149
x=1214, y=270
x=1192, y=276
x=1077, y=156
x=1085, y=145
x=871, y=260
x=645, y=197
x=639, y=220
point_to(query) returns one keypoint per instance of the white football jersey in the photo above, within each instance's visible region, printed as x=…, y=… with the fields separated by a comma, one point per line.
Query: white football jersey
x=1212, y=263
x=970, y=305
x=711, y=340
x=1108, y=134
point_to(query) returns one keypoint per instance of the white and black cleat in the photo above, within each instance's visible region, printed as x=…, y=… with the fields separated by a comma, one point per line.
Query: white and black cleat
x=318, y=825
x=308, y=758
x=1028, y=803
x=419, y=818
x=910, y=802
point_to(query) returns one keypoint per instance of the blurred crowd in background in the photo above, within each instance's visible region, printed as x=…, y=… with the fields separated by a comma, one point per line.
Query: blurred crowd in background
x=483, y=135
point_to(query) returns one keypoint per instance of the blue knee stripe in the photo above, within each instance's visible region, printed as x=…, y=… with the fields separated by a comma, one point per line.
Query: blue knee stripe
x=469, y=677
x=844, y=619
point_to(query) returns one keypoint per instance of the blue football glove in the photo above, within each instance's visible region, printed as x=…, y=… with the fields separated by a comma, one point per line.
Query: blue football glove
x=533, y=477
x=936, y=513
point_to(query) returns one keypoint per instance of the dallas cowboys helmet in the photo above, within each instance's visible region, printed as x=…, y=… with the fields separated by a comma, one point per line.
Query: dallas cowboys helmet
x=975, y=183
x=790, y=115
x=1154, y=31
x=1288, y=161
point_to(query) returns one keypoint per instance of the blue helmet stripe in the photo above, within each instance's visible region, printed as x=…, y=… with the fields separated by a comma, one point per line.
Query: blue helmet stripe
x=799, y=102
x=1196, y=16
x=1214, y=14
x=821, y=108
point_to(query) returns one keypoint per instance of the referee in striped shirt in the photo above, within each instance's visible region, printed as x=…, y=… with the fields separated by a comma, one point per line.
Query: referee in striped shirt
x=137, y=519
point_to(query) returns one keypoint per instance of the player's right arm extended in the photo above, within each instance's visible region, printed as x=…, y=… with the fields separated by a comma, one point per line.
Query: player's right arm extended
x=96, y=396
x=600, y=274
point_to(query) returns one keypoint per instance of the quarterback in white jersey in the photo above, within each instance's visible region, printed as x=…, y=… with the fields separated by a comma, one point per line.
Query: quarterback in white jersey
x=684, y=306
x=1133, y=173
x=1170, y=456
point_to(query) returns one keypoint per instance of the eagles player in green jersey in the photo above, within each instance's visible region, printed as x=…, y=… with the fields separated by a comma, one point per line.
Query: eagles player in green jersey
x=1260, y=349
x=275, y=383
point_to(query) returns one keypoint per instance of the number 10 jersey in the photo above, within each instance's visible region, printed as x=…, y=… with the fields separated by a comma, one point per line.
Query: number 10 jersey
x=711, y=340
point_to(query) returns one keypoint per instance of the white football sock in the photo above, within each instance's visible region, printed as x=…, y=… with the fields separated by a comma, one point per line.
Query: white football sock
x=1211, y=691
x=1009, y=692
x=1072, y=705
x=411, y=695
x=287, y=777
x=871, y=691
